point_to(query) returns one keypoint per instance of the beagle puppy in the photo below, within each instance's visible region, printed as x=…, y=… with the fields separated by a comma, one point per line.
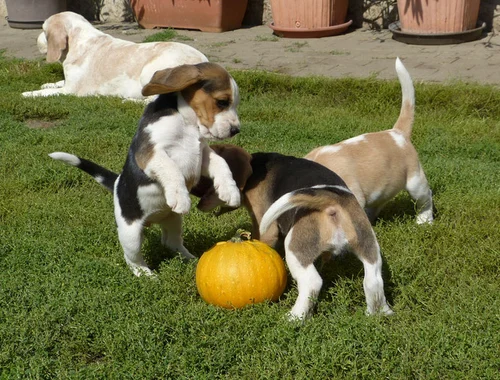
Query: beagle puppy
x=168, y=154
x=96, y=63
x=307, y=208
x=377, y=166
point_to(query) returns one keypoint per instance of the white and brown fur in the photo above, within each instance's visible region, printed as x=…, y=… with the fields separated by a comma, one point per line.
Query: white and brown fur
x=168, y=154
x=307, y=208
x=377, y=166
x=96, y=63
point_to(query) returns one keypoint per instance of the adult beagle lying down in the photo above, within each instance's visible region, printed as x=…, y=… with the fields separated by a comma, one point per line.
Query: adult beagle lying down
x=96, y=63
x=308, y=208
x=168, y=155
x=377, y=166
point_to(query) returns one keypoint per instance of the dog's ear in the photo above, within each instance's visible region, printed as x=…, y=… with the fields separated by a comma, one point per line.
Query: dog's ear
x=57, y=41
x=172, y=80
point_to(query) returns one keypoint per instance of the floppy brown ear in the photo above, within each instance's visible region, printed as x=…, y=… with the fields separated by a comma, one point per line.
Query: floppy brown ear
x=172, y=80
x=57, y=42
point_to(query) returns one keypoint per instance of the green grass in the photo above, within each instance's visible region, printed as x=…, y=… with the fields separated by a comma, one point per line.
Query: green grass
x=167, y=35
x=70, y=308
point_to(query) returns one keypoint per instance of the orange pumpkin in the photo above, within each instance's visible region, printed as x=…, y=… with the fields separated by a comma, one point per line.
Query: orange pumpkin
x=239, y=272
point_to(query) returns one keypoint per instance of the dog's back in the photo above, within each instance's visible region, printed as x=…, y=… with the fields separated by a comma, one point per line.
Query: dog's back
x=377, y=166
x=275, y=174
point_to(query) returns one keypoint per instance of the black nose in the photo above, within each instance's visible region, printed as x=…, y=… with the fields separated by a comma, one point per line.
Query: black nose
x=234, y=131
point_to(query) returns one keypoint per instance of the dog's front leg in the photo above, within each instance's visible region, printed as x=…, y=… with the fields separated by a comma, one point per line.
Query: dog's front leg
x=53, y=85
x=44, y=92
x=215, y=167
x=163, y=169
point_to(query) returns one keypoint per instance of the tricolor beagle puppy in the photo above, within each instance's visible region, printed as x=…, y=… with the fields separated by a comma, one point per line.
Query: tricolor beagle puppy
x=168, y=155
x=377, y=166
x=96, y=63
x=309, y=209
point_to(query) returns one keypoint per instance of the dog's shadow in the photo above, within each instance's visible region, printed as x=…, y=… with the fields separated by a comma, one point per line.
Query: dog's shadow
x=400, y=208
x=347, y=265
x=155, y=253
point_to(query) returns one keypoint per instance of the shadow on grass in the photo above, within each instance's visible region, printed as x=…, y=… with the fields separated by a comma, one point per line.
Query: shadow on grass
x=347, y=265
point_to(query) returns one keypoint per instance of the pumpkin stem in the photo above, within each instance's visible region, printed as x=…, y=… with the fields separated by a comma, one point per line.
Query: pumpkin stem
x=241, y=235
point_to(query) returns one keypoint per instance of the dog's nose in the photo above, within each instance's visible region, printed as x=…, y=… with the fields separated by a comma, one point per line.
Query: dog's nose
x=234, y=130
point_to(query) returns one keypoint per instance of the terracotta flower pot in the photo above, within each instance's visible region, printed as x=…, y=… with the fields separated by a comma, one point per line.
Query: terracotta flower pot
x=30, y=14
x=438, y=16
x=205, y=15
x=309, y=18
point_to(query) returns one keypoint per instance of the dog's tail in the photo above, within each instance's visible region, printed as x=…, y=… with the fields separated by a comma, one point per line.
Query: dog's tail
x=103, y=176
x=313, y=198
x=404, y=124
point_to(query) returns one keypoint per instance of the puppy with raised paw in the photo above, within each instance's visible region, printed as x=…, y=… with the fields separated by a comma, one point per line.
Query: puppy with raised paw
x=168, y=155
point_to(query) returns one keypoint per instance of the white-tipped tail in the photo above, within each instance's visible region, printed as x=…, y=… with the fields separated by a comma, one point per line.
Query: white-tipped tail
x=277, y=209
x=406, y=83
x=70, y=159
x=404, y=124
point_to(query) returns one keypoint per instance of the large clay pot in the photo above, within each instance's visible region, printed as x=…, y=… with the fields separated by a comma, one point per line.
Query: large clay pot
x=204, y=15
x=309, y=18
x=437, y=16
x=30, y=14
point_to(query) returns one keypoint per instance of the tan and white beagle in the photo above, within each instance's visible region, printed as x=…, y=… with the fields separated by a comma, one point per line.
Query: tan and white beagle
x=168, y=154
x=96, y=63
x=377, y=166
x=307, y=208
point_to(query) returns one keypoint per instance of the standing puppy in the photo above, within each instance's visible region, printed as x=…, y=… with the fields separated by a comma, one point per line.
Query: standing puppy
x=377, y=166
x=168, y=155
x=96, y=63
x=309, y=209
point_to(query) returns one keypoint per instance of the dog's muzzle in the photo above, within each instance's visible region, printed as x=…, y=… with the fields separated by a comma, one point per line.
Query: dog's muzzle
x=234, y=131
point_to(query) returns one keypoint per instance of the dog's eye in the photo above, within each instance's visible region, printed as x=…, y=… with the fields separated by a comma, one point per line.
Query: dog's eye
x=222, y=103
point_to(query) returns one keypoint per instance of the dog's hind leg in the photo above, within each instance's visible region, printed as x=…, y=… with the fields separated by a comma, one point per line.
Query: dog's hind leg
x=309, y=282
x=418, y=188
x=130, y=236
x=171, y=234
x=373, y=284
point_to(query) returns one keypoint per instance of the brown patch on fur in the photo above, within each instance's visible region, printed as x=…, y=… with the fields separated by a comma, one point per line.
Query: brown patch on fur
x=404, y=124
x=144, y=154
x=360, y=235
x=314, y=231
x=370, y=165
x=57, y=40
x=202, y=85
x=306, y=243
x=172, y=80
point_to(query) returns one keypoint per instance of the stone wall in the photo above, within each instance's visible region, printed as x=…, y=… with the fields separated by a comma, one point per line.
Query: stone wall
x=375, y=14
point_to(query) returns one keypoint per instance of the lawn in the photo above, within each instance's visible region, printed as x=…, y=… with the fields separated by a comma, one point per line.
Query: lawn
x=70, y=308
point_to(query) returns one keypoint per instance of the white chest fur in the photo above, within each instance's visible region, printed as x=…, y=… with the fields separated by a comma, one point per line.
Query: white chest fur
x=181, y=143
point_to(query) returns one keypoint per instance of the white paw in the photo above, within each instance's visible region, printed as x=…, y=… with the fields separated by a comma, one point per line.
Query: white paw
x=425, y=218
x=295, y=317
x=229, y=194
x=141, y=271
x=178, y=201
x=49, y=85
x=28, y=94
x=383, y=310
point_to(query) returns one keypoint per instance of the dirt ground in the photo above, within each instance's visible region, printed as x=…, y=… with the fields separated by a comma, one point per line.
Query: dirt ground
x=358, y=53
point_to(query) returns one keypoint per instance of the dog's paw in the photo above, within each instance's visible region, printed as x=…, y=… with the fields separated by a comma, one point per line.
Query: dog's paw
x=28, y=94
x=49, y=85
x=229, y=194
x=178, y=201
